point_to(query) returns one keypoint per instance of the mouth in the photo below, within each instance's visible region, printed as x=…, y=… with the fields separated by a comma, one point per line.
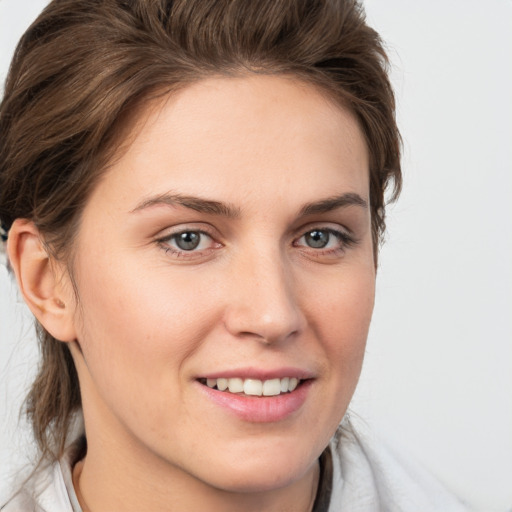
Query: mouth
x=269, y=399
x=254, y=387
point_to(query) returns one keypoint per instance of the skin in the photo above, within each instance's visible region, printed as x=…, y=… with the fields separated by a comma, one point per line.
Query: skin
x=153, y=318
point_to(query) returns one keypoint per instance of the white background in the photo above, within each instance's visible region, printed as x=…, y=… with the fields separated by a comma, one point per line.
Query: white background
x=438, y=375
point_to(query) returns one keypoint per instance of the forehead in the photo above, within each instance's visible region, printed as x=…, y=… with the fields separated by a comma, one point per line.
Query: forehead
x=222, y=134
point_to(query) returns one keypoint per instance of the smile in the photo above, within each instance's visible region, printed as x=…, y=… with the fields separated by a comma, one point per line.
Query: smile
x=253, y=387
x=258, y=400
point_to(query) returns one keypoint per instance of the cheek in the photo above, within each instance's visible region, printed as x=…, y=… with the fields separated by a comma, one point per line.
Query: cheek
x=139, y=325
x=340, y=317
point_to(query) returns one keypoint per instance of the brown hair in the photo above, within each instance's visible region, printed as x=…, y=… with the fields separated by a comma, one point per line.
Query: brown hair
x=84, y=65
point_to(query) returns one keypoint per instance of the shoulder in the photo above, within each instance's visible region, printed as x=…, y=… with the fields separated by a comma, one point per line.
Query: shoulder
x=38, y=493
x=370, y=476
x=49, y=488
x=44, y=491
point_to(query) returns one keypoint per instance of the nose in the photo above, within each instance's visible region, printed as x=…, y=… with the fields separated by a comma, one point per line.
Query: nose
x=263, y=301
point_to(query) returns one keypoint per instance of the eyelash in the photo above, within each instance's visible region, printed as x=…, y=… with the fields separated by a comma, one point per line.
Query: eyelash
x=181, y=253
x=345, y=241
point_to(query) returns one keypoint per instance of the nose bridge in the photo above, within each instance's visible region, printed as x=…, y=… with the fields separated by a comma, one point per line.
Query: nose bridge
x=264, y=299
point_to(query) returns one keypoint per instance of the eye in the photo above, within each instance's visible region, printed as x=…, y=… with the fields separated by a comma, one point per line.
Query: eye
x=326, y=239
x=187, y=241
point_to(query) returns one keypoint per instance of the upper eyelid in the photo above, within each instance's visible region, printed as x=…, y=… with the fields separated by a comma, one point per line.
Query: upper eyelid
x=211, y=231
x=338, y=233
x=200, y=231
x=183, y=228
x=333, y=227
x=171, y=237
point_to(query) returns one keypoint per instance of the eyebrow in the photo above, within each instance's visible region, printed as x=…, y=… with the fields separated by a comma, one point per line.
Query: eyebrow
x=194, y=203
x=333, y=203
x=226, y=210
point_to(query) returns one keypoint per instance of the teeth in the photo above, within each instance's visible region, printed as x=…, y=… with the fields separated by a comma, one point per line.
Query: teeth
x=235, y=385
x=255, y=387
x=272, y=387
x=222, y=384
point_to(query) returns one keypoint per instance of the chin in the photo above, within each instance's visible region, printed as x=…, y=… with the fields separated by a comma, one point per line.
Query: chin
x=262, y=469
x=259, y=478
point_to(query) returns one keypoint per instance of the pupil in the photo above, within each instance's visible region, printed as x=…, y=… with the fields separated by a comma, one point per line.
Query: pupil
x=188, y=241
x=317, y=239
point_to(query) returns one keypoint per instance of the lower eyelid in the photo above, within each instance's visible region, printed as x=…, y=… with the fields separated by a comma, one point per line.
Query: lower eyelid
x=343, y=243
x=169, y=245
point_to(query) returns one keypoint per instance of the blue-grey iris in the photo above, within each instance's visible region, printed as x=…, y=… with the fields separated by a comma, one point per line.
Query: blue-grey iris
x=188, y=241
x=317, y=239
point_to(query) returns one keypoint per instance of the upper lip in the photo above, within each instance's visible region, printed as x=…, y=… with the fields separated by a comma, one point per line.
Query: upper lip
x=259, y=373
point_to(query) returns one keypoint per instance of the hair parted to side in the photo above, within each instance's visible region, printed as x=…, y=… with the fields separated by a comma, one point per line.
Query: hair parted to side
x=84, y=66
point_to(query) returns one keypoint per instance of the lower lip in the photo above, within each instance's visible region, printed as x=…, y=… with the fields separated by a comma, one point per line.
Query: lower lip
x=264, y=409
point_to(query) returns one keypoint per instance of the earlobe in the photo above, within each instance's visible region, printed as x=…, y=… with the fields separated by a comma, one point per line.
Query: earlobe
x=43, y=284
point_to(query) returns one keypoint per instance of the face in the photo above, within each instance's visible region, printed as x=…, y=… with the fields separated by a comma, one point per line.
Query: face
x=228, y=245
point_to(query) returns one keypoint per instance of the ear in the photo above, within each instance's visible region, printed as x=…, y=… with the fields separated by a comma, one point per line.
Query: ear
x=44, y=283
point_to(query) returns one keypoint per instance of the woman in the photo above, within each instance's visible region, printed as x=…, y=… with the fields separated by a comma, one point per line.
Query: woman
x=192, y=195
